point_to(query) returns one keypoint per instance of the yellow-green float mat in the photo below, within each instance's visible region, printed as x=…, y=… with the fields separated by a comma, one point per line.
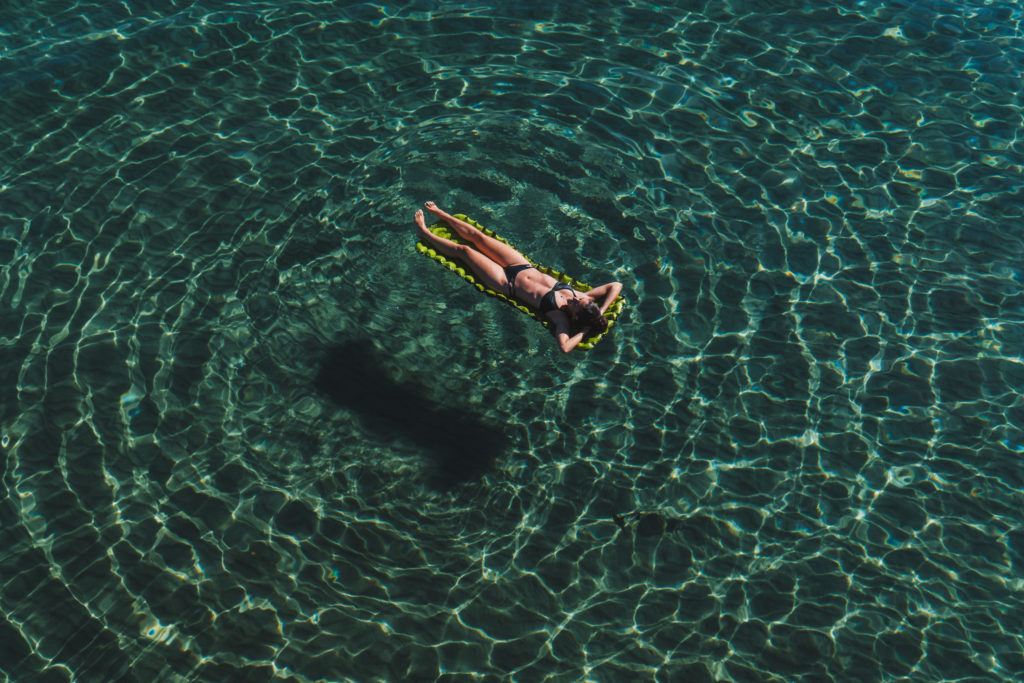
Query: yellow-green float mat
x=463, y=271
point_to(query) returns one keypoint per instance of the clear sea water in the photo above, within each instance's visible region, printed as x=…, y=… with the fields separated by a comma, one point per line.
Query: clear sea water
x=248, y=433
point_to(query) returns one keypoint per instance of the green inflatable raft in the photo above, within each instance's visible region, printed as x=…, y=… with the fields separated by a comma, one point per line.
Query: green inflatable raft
x=467, y=274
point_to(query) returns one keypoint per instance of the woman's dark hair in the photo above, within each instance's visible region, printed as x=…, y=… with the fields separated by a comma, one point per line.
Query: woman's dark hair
x=589, y=315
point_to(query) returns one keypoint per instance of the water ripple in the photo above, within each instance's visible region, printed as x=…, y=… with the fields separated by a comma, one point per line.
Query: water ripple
x=246, y=433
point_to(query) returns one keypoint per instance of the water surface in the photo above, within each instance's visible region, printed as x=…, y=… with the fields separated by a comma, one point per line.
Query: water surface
x=248, y=433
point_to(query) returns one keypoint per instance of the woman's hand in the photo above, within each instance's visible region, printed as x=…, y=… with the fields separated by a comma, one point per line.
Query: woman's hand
x=605, y=294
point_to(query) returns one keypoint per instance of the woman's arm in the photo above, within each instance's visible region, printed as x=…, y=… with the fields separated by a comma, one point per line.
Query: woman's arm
x=605, y=294
x=560, y=323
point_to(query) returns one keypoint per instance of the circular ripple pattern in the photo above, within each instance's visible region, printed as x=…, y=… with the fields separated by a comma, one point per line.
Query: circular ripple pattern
x=248, y=434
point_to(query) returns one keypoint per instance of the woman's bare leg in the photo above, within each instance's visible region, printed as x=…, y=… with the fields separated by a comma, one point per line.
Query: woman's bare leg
x=491, y=274
x=496, y=250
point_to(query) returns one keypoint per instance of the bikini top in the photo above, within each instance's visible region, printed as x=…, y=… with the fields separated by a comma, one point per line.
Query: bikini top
x=547, y=302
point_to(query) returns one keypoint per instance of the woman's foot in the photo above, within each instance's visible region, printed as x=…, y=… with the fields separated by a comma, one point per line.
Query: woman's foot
x=451, y=220
x=421, y=225
x=445, y=246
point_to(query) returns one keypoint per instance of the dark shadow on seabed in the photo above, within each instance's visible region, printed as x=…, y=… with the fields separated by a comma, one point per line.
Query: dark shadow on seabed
x=460, y=445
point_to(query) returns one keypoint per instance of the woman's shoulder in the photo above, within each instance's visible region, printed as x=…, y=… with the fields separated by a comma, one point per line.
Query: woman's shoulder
x=557, y=316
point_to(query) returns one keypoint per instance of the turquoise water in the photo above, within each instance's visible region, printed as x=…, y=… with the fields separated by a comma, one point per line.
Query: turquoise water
x=246, y=432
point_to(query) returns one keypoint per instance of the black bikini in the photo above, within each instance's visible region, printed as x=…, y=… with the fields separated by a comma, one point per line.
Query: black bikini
x=547, y=302
x=510, y=275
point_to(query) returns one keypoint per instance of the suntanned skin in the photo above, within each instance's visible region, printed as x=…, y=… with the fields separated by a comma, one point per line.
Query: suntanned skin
x=488, y=258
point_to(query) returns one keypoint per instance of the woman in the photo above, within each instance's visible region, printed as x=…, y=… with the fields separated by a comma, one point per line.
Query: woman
x=573, y=315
